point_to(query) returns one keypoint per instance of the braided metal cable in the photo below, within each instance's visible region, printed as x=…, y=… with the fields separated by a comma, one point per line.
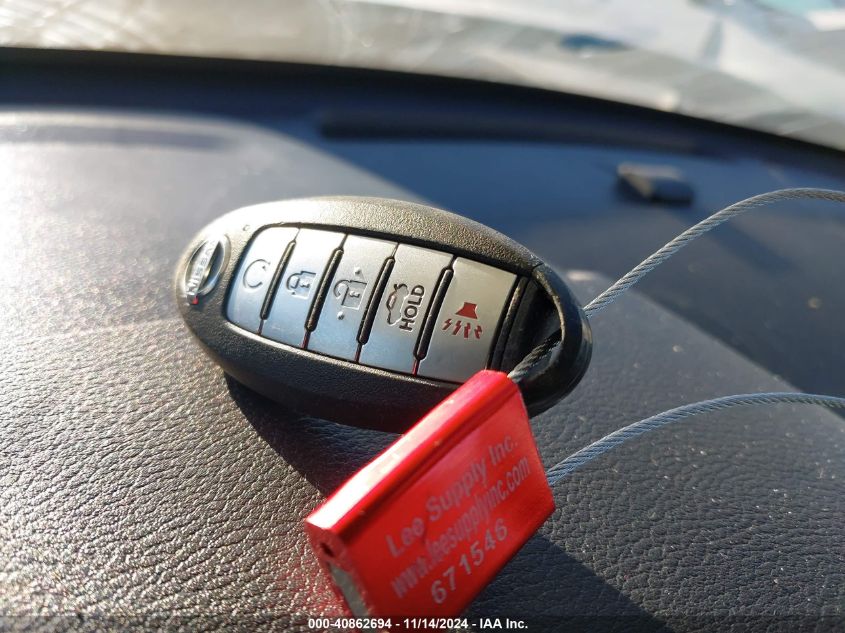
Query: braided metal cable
x=611, y=441
x=653, y=261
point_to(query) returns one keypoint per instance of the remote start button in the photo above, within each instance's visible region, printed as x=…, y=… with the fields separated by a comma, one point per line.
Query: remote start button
x=348, y=296
x=402, y=308
x=298, y=285
x=467, y=322
x=252, y=281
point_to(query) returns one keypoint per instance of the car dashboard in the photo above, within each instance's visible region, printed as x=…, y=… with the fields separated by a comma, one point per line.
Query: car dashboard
x=143, y=487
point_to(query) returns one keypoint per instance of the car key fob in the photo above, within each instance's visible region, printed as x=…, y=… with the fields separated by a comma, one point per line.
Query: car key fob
x=369, y=311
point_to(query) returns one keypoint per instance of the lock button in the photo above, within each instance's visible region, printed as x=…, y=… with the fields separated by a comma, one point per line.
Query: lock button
x=299, y=285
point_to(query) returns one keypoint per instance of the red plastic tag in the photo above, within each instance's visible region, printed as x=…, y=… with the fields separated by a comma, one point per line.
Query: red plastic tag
x=426, y=525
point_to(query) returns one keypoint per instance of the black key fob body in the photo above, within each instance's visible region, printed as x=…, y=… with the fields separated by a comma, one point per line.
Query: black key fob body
x=369, y=311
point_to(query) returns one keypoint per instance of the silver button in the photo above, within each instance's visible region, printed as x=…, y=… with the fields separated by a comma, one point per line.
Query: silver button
x=251, y=282
x=402, y=308
x=348, y=295
x=465, y=327
x=298, y=286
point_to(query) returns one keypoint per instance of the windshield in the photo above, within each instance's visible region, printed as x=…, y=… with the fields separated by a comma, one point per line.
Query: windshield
x=774, y=65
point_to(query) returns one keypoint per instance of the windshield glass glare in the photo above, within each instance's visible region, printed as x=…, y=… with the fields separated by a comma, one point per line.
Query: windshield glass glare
x=775, y=65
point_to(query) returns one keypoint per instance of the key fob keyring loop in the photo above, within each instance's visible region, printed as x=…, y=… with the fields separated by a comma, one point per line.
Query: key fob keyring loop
x=357, y=392
x=558, y=372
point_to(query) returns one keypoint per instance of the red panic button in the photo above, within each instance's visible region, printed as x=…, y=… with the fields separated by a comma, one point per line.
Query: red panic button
x=426, y=525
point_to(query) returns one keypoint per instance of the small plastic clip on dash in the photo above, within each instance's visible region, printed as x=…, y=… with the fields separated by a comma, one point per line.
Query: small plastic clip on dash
x=425, y=526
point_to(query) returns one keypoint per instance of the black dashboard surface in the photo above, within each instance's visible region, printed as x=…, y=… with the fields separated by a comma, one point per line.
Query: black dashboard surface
x=538, y=166
x=140, y=486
